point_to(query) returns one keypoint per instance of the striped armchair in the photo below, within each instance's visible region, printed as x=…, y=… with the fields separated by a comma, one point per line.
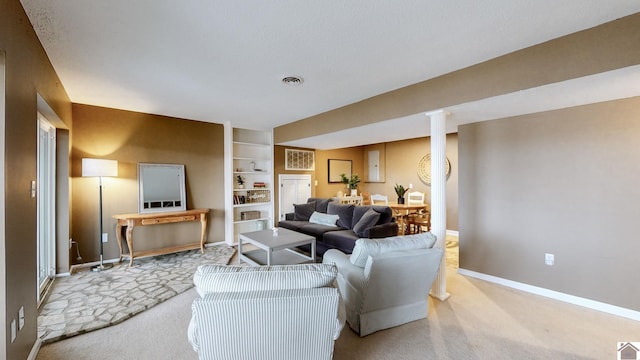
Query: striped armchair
x=267, y=312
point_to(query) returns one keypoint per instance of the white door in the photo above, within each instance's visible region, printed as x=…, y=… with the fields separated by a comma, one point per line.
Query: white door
x=46, y=204
x=294, y=189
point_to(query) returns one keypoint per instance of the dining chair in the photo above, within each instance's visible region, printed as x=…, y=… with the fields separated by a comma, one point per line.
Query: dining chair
x=415, y=198
x=366, y=198
x=377, y=199
x=417, y=220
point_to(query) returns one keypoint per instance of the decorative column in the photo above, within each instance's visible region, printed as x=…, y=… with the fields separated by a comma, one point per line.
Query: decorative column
x=439, y=196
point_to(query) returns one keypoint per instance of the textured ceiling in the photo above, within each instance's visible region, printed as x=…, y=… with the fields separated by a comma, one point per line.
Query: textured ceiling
x=222, y=61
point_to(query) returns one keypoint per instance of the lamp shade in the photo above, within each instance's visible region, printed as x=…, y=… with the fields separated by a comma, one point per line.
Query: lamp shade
x=99, y=167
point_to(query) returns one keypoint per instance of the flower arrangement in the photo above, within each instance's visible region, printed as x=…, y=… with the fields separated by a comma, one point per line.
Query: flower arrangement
x=351, y=182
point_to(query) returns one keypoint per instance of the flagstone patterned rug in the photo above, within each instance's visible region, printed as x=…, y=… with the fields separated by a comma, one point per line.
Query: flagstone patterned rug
x=87, y=301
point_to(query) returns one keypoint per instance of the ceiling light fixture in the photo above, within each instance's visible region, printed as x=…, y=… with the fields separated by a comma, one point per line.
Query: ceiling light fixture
x=292, y=80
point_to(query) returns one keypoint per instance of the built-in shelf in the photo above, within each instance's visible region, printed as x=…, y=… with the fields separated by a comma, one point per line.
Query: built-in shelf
x=248, y=150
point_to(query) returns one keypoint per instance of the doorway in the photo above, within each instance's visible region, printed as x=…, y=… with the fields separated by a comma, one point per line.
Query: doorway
x=46, y=185
x=294, y=189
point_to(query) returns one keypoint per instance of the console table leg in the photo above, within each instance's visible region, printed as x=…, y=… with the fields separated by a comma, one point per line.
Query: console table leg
x=119, y=238
x=129, y=237
x=203, y=232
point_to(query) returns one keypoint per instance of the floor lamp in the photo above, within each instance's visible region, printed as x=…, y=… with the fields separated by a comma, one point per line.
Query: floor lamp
x=100, y=168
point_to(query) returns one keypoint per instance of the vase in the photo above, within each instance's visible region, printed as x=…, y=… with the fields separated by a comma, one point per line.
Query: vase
x=400, y=200
x=354, y=192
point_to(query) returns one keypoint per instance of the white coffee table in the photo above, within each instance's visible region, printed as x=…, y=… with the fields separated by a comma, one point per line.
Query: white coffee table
x=275, y=250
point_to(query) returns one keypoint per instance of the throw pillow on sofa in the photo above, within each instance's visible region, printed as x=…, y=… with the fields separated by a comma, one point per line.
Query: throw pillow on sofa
x=302, y=212
x=369, y=219
x=323, y=219
x=372, y=247
x=215, y=278
x=344, y=211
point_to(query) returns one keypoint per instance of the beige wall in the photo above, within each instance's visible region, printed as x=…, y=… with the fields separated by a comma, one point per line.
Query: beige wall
x=563, y=182
x=28, y=73
x=131, y=138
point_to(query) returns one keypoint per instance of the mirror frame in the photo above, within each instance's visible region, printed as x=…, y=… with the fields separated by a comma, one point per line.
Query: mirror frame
x=164, y=206
x=337, y=167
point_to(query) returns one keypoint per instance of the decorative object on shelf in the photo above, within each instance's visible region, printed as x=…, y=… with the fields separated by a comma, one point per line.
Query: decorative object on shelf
x=250, y=215
x=351, y=182
x=400, y=191
x=240, y=181
x=238, y=199
x=100, y=168
x=258, y=196
x=424, y=169
x=259, y=184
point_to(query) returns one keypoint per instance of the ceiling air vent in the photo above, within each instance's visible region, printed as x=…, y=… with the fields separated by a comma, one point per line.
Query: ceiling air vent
x=292, y=80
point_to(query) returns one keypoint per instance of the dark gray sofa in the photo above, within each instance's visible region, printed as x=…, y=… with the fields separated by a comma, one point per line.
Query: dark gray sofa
x=354, y=222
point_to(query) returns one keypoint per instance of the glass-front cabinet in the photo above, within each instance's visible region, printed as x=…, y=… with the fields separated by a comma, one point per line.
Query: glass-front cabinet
x=251, y=183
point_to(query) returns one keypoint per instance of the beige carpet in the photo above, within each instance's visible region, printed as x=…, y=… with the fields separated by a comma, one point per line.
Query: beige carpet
x=88, y=300
x=480, y=320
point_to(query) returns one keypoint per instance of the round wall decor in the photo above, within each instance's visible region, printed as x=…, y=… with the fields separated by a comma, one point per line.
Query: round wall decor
x=424, y=169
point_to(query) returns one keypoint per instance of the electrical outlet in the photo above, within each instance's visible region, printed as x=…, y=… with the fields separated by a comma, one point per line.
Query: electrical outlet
x=105, y=237
x=549, y=259
x=21, y=318
x=13, y=330
x=70, y=243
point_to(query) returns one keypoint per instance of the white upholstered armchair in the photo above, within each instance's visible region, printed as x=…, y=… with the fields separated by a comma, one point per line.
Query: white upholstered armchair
x=266, y=312
x=386, y=282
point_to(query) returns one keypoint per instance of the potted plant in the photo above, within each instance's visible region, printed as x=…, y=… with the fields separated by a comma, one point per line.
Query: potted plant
x=240, y=181
x=400, y=191
x=352, y=183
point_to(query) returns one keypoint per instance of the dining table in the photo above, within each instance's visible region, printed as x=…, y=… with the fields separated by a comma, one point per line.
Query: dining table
x=401, y=211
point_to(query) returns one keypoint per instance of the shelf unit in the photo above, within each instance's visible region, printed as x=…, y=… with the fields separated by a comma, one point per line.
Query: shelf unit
x=249, y=208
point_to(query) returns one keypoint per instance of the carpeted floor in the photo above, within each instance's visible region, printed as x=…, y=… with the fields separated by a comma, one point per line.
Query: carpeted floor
x=88, y=300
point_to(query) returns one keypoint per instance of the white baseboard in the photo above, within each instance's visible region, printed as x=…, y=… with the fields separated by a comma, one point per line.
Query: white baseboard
x=571, y=299
x=35, y=350
x=452, y=232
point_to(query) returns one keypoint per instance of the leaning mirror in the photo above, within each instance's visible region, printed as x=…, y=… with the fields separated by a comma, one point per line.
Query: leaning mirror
x=161, y=188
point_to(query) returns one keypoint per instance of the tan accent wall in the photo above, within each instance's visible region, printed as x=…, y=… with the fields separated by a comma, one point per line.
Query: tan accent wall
x=325, y=188
x=28, y=73
x=610, y=46
x=562, y=182
x=132, y=138
x=401, y=165
x=402, y=159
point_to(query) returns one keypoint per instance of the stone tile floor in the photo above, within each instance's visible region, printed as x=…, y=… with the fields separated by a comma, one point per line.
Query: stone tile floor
x=87, y=300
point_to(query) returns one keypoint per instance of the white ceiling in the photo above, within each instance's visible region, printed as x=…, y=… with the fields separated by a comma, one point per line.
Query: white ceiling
x=221, y=61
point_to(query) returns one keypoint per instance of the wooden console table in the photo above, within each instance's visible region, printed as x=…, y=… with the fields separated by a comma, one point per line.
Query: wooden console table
x=133, y=220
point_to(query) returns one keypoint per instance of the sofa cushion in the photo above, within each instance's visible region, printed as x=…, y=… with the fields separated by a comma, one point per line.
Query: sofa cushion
x=386, y=214
x=321, y=203
x=323, y=219
x=344, y=211
x=302, y=212
x=372, y=247
x=292, y=224
x=317, y=230
x=214, y=278
x=369, y=219
x=343, y=240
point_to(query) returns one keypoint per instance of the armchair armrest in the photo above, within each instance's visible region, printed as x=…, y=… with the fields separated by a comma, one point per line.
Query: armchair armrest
x=383, y=230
